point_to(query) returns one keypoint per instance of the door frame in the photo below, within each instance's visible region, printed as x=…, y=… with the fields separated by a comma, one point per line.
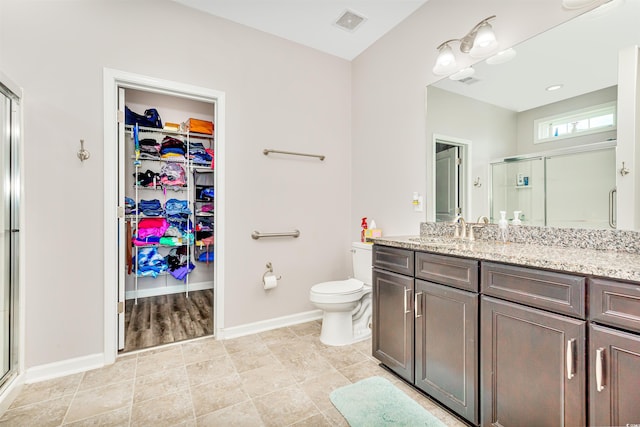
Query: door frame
x=465, y=179
x=112, y=80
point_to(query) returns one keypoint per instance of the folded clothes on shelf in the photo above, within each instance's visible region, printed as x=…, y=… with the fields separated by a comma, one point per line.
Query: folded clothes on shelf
x=175, y=206
x=152, y=227
x=150, y=207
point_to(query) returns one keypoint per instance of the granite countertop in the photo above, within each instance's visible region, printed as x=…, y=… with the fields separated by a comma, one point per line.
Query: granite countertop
x=595, y=262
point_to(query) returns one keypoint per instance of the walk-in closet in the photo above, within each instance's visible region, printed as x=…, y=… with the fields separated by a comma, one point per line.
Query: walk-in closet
x=167, y=191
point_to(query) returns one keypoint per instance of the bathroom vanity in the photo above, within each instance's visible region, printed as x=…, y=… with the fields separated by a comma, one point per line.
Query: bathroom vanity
x=503, y=333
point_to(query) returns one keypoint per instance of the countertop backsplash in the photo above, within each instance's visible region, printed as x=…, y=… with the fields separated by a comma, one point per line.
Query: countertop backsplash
x=612, y=240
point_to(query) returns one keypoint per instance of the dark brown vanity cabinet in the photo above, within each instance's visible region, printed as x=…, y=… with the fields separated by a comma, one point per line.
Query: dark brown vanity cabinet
x=446, y=331
x=533, y=355
x=614, y=353
x=426, y=330
x=393, y=326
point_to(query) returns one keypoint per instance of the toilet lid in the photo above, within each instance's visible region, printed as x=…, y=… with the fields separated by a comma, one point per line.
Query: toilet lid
x=341, y=287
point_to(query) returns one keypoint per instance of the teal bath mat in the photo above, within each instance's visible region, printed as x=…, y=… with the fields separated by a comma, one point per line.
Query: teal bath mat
x=376, y=402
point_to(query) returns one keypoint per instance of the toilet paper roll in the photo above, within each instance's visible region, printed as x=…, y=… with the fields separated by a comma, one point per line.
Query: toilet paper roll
x=269, y=281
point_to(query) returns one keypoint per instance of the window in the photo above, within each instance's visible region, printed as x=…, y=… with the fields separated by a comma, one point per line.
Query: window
x=599, y=118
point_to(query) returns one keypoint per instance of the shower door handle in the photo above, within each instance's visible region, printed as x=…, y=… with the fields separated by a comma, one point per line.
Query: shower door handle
x=612, y=206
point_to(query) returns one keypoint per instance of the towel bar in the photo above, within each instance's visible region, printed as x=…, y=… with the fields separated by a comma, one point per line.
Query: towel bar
x=258, y=235
x=267, y=151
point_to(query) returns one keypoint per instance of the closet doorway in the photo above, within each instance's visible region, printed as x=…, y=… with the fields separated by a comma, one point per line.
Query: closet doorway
x=9, y=232
x=166, y=276
x=451, y=172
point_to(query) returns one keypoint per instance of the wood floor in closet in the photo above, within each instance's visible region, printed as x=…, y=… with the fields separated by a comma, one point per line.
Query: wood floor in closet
x=166, y=319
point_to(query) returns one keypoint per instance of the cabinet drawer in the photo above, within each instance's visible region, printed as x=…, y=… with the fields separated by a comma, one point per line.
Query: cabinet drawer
x=557, y=292
x=393, y=259
x=615, y=303
x=446, y=270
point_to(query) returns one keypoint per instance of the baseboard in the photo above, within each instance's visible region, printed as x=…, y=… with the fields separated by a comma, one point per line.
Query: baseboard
x=267, y=325
x=64, y=367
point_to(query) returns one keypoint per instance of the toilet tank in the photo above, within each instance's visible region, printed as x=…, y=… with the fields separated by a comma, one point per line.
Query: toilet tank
x=361, y=257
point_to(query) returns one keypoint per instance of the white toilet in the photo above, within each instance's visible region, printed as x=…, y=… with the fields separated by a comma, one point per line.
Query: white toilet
x=346, y=303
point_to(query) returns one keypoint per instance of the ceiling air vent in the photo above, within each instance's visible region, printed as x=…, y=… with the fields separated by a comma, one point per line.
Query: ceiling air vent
x=350, y=21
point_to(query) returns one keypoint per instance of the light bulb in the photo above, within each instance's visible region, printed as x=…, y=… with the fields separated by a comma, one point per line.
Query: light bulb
x=446, y=61
x=485, y=42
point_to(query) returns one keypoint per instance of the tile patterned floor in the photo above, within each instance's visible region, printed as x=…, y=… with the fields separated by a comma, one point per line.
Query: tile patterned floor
x=276, y=378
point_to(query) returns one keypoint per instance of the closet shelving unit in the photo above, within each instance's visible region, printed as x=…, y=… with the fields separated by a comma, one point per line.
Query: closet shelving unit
x=162, y=192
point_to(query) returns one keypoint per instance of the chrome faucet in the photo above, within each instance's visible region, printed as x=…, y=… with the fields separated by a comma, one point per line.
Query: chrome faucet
x=461, y=227
x=483, y=219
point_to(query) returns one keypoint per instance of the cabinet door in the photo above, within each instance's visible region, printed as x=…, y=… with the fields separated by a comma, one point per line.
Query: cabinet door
x=532, y=366
x=614, y=377
x=446, y=346
x=393, y=322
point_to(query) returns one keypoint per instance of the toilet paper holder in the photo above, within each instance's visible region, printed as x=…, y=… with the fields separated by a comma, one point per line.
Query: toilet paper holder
x=269, y=271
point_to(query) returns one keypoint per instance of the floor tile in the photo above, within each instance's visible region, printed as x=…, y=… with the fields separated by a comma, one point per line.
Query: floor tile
x=308, y=366
x=120, y=371
x=45, y=390
x=213, y=396
x=119, y=417
x=168, y=410
x=285, y=407
x=257, y=357
x=242, y=414
x=209, y=370
x=248, y=342
x=277, y=336
x=203, y=349
x=160, y=383
x=280, y=377
x=258, y=382
x=99, y=400
x=318, y=389
x=41, y=414
x=153, y=361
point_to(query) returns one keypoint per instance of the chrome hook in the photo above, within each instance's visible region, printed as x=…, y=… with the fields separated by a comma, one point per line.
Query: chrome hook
x=82, y=153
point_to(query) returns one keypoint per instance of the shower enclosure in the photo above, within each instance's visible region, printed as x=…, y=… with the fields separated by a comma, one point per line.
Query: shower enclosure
x=9, y=230
x=575, y=190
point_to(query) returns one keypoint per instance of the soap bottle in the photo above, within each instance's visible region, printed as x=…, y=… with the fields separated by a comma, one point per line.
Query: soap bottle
x=503, y=227
x=516, y=218
x=364, y=227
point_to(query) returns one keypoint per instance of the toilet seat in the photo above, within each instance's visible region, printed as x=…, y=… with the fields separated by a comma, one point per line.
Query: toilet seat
x=337, y=291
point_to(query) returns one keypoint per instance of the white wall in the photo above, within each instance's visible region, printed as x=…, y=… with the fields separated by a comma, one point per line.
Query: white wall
x=389, y=139
x=278, y=95
x=491, y=130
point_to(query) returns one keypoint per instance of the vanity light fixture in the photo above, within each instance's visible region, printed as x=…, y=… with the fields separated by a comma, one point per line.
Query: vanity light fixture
x=479, y=42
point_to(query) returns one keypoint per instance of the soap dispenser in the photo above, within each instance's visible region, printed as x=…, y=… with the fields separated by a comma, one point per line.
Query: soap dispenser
x=503, y=227
x=364, y=228
x=516, y=218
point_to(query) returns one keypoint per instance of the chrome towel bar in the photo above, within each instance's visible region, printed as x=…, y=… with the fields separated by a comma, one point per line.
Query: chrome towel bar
x=258, y=235
x=267, y=151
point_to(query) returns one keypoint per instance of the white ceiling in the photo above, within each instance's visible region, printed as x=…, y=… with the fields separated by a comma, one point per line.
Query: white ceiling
x=311, y=22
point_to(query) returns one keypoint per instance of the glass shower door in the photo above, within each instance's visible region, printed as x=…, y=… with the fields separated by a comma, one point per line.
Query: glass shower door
x=8, y=233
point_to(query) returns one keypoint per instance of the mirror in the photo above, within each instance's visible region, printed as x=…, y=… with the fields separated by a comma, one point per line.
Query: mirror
x=494, y=110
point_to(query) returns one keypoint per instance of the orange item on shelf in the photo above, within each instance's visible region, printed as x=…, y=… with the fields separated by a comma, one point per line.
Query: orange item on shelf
x=200, y=126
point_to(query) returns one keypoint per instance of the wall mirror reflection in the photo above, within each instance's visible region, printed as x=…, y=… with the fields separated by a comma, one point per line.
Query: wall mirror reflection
x=564, y=143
